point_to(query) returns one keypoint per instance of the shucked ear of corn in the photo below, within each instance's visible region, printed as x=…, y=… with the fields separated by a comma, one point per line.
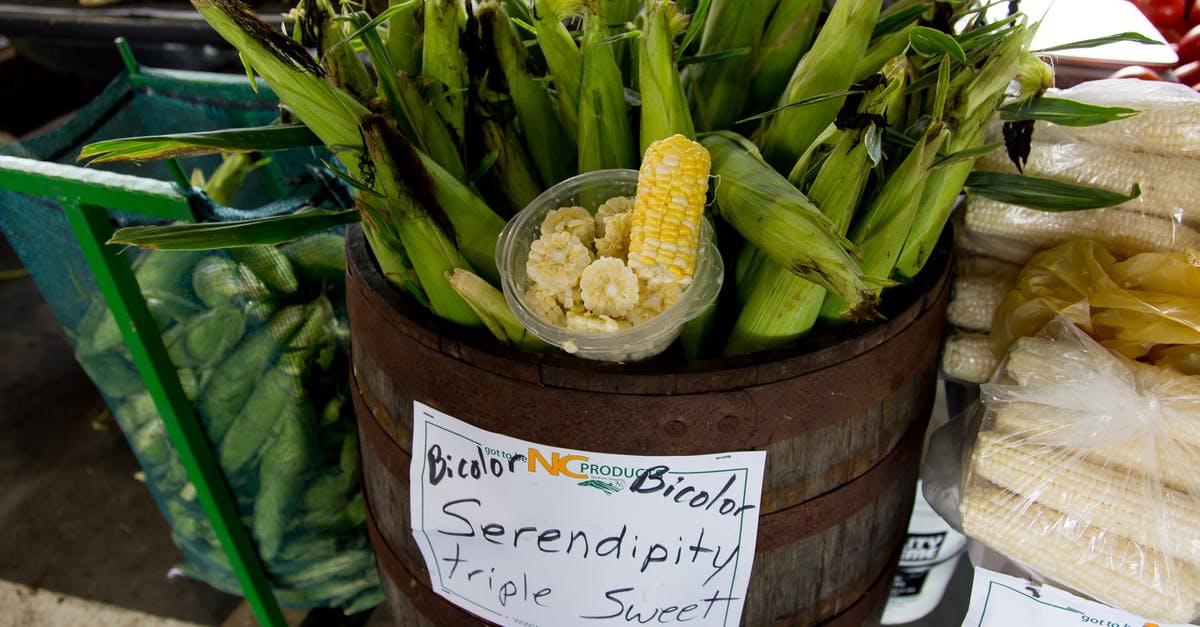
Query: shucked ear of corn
x=1085, y=470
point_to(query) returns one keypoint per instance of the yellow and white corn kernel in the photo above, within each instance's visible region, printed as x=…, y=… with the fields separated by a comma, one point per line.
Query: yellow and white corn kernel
x=545, y=304
x=574, y=220
x=613, y=239
x=1163, y=127
x=974, y=301
x=659, y=290
x=1092, y=560
x=614, y=206
x=593, y=323
x=968, y=357
x=667, y=210
x=982, y=266
x=1123, y=233
x=1159, y=177
x=608, y=287
x=557, y=260
x=1103, y=495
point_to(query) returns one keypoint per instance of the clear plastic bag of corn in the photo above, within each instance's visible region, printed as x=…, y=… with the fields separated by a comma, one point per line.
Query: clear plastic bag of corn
x=1085, y=470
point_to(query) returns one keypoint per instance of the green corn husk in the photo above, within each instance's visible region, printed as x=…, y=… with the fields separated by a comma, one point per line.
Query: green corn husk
x=279, y=491
x=510, y=175
x=788, y=35
x=781, y=307
x=882, y=229
x=278, y=393
x=345, y=67
x=228, y=177
x=269, y=265
x=320, y=258
x=476, y=226
x=776, y=217
x=157, y=274
x=978, y=100
x=605, y=136
x=549, y=147
x=404, y=39
x=880, y=51
x=491, y=307
x=426, y=242
x=329, y=112
x=722, y=87
x=135, y=411
x=444, y=62
x=422, y=121
x=844, y=35
x=219, y=280
x=428, y=130
x=563, y=58
x=664, y=103
x=113, y=375
x=232, y=382
x=212, y=334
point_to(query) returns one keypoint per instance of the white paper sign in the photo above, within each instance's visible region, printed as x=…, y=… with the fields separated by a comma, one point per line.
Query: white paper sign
x=520, y=533
x=999, y=600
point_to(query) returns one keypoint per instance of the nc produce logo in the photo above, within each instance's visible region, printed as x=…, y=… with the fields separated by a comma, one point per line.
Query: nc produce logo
x=606, y=478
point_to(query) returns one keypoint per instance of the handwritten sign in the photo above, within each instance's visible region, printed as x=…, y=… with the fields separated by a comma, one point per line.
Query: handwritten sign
x=520, y=533
x=1002, y=600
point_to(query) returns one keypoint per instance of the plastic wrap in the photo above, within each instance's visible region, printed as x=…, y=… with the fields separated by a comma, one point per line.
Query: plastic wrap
x=1166, y=182
x=1085, y=470
x=1146, y=307
x=1168, y=122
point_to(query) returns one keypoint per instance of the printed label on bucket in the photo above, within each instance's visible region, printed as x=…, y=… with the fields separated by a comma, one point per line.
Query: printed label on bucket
x=521, y=533
x=999, y=600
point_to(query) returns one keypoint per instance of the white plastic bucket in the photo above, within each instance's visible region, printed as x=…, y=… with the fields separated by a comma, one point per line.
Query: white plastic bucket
x=926, y=565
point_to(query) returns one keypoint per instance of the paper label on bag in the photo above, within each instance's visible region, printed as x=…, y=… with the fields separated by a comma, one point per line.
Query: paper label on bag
x=998, y=600
x=521, y=533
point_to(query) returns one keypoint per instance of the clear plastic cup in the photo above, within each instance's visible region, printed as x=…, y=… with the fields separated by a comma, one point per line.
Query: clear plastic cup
x=640, y=341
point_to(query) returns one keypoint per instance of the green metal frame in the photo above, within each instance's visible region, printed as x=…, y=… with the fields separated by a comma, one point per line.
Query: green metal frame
x=84, y=196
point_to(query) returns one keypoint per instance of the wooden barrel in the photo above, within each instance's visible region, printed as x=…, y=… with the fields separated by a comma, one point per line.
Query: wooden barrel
x=841, y=418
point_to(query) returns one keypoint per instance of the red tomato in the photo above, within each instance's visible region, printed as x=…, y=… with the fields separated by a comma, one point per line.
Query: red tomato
x=1136, y=71
x=1162, y=12
x=1188, y=73
x=1189, y=46
x=1193, y=13
x=1173, y=33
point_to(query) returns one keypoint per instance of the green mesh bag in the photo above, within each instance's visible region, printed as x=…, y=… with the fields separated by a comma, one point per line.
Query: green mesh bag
x=258, y=337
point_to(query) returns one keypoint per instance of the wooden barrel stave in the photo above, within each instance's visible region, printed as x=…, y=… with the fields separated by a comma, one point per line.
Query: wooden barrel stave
x=835, y=421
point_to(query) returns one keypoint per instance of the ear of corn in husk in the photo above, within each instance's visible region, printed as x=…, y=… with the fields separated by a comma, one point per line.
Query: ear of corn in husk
x=664, y=105
x=548, y=145
x=772, y=214
x=844, y=35
x=722, y=86
x=788, y=34
x=780, y=306
x=605, y=135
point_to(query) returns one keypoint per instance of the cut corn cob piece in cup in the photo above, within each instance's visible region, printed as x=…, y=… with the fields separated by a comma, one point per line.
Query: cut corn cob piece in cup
x=619, y=331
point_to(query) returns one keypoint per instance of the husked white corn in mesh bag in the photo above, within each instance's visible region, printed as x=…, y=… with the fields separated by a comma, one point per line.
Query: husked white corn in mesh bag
x=1086, y=470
